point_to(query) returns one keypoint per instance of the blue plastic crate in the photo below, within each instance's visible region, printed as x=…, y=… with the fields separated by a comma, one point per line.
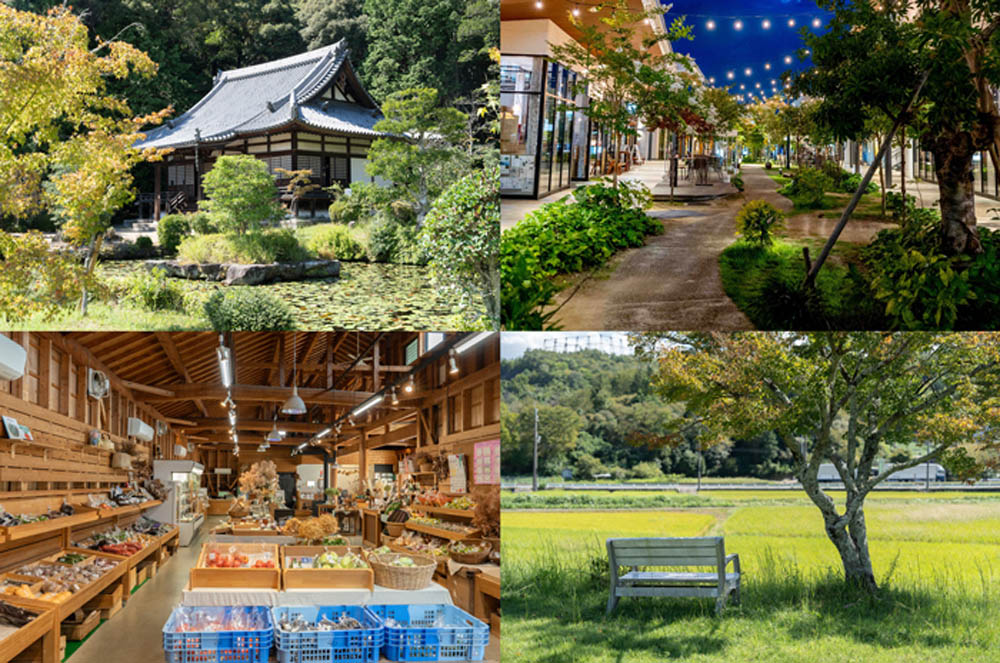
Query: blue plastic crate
x=462, y=638
x=249, y=646
x=347, y=646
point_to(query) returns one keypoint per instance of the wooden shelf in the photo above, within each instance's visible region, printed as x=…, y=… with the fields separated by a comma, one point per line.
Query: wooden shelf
x=16, y=532
x=440, y=533
x=444, y=511
x=43, y=626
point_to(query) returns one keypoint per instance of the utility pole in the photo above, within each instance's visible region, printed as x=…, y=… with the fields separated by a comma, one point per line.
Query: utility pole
x=534, y=457
x=927, y=466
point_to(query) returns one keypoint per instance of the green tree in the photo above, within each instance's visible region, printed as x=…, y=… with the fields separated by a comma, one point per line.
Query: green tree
x=875, y=57
x=425, y=162
x=325, y=22
x=412, y=43
x=632, y=79
x=840, y=398
x=558, y=428
x=241, y=193
x=462, y=236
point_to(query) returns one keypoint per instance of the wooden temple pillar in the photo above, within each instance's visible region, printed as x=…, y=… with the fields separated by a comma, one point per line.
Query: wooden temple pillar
x=156, y=191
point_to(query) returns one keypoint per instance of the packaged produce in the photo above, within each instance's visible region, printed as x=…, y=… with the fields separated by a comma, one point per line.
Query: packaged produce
x=72, y=558
x=463, y=503
x=211, y=620
x=330, y=560
x=298, y=624
x=11, y=615
x=235, y=559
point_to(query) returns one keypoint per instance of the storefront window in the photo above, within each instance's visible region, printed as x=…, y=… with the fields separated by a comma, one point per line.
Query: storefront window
x=520, y=108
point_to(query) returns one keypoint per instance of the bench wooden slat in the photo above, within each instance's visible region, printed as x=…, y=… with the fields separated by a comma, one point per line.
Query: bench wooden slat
x=703, y=592
x=651, y=559
x=679, y=578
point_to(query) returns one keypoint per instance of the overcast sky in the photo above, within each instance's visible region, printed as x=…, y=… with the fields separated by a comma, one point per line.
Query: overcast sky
x=513, y=344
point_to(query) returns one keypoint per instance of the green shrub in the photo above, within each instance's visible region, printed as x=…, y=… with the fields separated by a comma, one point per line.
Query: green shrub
x=247, y=309
x=756, y=221
x=202, y=223
x=383, y=239
x=832, y=169
x=241, y=193
x=851, y=183
x=335, y=242
x=154, y=291
x=647, y=470
x=808, y=187
x=565, y=236
x=461, y=235
x=737, y=181
x=523, y=299
x=144, y=243
x=171, y=230
x=263, y=247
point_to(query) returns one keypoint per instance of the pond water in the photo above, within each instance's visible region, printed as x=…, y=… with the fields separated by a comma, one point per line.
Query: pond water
x=366, y=296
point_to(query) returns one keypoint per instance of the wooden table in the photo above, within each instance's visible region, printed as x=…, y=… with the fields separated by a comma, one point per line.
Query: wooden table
x=42, y=631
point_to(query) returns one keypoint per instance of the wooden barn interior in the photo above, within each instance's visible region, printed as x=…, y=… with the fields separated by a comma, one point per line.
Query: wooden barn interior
x=387, y=416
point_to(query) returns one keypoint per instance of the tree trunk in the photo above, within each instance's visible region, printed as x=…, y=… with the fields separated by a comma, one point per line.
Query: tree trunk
x=851, y=540
x=881, y=176
x=902, y=166
x=90, y=264
x=614, y=156
x=953, y=165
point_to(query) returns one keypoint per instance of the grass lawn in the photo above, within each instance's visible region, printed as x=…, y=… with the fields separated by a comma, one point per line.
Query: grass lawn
x=869, y=207
x=936, y=559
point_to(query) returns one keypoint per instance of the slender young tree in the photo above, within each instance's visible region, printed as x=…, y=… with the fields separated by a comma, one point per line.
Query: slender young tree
x=842, y=398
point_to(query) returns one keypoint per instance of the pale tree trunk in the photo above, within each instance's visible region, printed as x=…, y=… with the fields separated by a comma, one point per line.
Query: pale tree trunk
x=846, y=531
x=614, y=156
x=953, y=166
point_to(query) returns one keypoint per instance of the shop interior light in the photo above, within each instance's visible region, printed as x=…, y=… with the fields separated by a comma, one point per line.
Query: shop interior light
x=324, y=432
x=472, y=341
x=225, y=364
x=452, y=364
x=294, y=404
x=408, y=387
x=367, y=405
x=274, y=435
x=395, y=397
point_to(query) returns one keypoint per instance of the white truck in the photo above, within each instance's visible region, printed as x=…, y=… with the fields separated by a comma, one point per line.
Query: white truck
x=827, y=472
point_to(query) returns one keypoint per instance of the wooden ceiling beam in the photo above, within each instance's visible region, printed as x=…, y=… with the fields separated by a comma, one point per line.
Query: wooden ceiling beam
x=266, y=393
x=167, y=343
x=254, y=425
x=136, y=386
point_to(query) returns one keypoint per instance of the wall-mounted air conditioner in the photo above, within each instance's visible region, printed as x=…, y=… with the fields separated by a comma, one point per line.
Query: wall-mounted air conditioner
x=12, y=358
x=139, y=429
x=180, y=450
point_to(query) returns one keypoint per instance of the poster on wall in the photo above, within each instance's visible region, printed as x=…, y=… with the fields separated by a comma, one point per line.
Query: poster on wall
x=486, y=462
x=456, y=466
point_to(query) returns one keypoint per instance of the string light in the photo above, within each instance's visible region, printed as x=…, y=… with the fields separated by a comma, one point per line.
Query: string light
x=748, y=71
x=817, y=23
x=791, y=22
x=710, y=25
x=738, y=24
x=730, y=75
x=766, y=24
x=538, y=5
x=767, y=65
x=711, y=79
x=788, y=59
x=576, y=11
x=742, y=86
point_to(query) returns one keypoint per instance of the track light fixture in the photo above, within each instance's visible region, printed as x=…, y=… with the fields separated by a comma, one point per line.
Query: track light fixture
x=452, y=364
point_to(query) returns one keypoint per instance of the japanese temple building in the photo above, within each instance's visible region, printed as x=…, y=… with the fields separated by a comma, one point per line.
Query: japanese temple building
x=307, y=111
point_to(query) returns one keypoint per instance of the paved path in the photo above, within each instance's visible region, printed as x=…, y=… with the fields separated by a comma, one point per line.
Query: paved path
x=673, y=282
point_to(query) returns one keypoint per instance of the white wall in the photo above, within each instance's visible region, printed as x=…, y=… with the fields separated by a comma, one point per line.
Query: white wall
x=531, y=37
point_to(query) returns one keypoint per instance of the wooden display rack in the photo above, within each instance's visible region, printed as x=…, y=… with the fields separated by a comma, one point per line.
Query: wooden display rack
x=444, y=511
x=441, y=533
x=205, y=576
x=66, y=608
x=84, y=514
x=36, y=641
x=327, y=578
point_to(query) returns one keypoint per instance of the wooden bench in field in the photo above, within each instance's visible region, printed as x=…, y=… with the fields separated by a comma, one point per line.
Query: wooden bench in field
x=707, y=551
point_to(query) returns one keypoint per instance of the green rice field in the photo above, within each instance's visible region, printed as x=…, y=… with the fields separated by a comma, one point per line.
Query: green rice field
x=936, y=557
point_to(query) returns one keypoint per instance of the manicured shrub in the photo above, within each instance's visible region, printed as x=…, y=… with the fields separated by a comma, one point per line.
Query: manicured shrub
x=143, y=243
x=202, y=223
x=383, y=239
x=461, y=234
x=335, y=242
x=154, y=291
x=247, y=309
x=171, y=230
x=252, y=248
x=756, y=221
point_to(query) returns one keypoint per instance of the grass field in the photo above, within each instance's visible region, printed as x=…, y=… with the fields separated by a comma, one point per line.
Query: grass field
x=936, y=559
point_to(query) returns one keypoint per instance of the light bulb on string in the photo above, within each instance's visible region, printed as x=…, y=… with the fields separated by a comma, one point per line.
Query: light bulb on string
x=748, y=71
x=538, y=4
x=766, y=24
x=738, y=25
x=710, y=25
x=791, y=22
x=711, y=79
x=817, y=23
x=767, y=65
x=730, y=75
x=576, y=11
x=788, y=59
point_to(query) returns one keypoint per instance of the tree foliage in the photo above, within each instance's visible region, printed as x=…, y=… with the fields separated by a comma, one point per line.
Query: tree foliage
x=327, y=21
x=241, y=193
x=423, y=164
x=840, y=398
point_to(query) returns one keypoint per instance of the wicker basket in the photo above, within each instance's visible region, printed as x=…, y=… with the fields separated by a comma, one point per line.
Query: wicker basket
x=238, y=512
x=471, y=558
x=394, y=529
x=403, y=577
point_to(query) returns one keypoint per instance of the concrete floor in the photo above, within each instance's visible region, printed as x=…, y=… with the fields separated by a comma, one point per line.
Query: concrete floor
x=135, y=634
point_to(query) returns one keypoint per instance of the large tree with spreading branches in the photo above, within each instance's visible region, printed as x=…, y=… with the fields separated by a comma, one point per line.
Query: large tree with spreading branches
x=942, y=55
x=840, y=398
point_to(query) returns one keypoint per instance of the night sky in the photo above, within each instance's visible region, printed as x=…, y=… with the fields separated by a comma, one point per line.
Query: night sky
x=725, y=49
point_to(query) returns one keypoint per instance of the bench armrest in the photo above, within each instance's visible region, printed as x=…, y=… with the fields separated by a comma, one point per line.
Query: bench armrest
x=734, y=558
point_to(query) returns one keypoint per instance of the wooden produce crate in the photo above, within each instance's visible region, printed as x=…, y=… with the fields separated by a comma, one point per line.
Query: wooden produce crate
x=28, y=642
x=202, y=575
x=443, y=511
x=142, y=575
x=109, y=603
x=84, y=514
x=79, y=625
x=14, y=580
x=330, y=578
